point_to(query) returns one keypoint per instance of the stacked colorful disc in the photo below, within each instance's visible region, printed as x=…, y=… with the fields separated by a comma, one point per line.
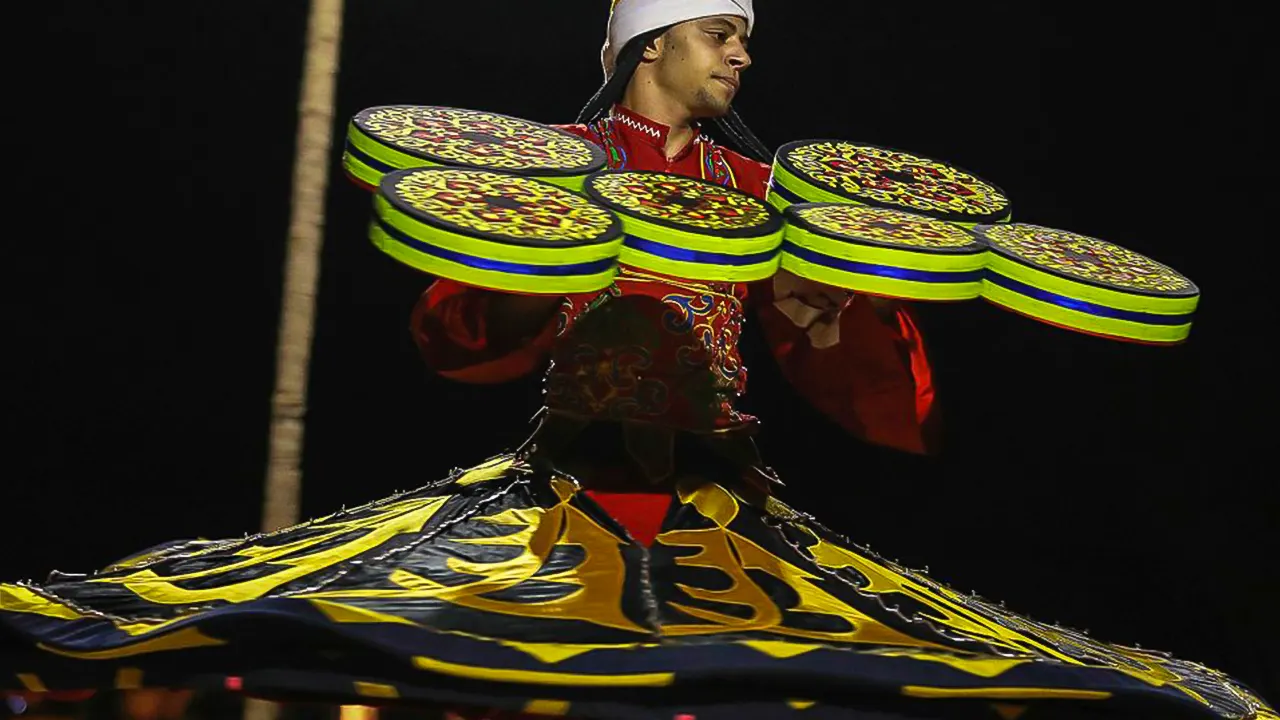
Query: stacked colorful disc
x=397, y=137
x=496, y=231
x=693, y=229
x=833, y=171
x=1085, y=284
x=883, y=252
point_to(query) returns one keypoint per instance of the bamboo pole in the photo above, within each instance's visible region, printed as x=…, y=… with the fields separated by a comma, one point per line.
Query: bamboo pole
x=301, y=276
x=302, y=268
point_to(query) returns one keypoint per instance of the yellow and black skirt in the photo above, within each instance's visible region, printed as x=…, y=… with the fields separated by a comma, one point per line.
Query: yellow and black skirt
x=496, y=231
x=1086, y=285
x=834, y=171
x=399, y=137
x=691, y=229
x=883, y=252
x=507, y=586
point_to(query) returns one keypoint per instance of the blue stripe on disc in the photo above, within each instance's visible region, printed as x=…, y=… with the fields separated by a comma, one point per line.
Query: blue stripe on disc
x=887, y=271
x=786, y=193
x=695, y=256
x=591, y=268
x=369, y=160
x=1085, y=307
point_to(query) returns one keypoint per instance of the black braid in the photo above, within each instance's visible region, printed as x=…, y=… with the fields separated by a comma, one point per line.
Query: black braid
x=742, y=138
x=612, y=91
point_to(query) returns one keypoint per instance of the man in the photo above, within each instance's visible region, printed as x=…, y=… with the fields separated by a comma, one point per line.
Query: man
x=670, y=65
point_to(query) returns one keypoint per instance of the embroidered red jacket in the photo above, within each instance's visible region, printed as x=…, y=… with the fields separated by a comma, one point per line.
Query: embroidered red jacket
x=867, y=373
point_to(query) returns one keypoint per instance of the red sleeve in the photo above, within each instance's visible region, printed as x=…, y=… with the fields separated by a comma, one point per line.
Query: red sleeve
x=448, y=325
x=869, y=374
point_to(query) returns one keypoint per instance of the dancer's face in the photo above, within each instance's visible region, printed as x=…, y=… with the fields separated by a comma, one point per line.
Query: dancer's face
x=700, y=63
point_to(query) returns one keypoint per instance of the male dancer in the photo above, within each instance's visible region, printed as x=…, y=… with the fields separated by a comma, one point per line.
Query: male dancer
x=671, y=65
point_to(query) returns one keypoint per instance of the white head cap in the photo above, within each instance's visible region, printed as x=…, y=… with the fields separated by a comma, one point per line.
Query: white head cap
x=632, y=18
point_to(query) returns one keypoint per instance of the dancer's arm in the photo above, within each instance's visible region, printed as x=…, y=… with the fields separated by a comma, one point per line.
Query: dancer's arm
x=480, y=336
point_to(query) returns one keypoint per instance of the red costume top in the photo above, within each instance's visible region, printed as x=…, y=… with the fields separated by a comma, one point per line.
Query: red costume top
x=663, y=351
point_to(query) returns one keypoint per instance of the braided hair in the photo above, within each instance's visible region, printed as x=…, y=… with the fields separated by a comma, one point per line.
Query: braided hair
x=734, y=130
x=615, y=86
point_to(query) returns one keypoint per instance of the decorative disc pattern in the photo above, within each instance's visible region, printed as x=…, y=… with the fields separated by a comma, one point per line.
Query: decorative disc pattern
x=472, y=138
x=893, y=178
x=1085, y=258
x=487, y=203
x=889, y=227
x=683, y=202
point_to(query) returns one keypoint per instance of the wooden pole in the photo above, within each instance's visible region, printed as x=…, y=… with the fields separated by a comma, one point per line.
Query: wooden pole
x=301, y=277
x=302, y=268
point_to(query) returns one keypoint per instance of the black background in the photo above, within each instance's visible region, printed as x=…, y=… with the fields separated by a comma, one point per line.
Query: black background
x=1113, y=487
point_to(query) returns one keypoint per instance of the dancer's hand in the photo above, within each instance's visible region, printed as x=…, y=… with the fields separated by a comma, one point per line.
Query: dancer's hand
x=811, y=305
x=816, y=306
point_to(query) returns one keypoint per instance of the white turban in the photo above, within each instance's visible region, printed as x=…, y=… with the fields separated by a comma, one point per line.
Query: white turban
x=633, y=18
